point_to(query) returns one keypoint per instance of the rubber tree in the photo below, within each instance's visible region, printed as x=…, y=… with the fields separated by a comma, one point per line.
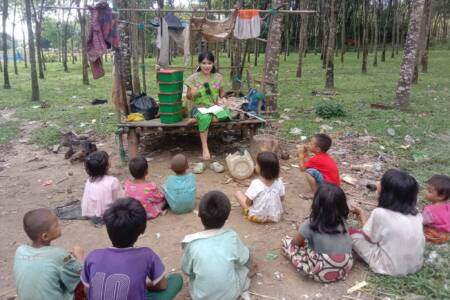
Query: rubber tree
x=409, y=55
x=13, y=36
x=6, y=83
x=329, y=70
x=84, y=60
x=32, y=54
x=302, y=37
x=365, y=39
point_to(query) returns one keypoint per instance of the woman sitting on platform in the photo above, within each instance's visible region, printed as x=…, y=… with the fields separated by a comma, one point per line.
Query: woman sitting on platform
x=205, y=89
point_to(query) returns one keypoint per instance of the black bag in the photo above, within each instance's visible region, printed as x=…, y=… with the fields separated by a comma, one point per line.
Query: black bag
x=145, y=105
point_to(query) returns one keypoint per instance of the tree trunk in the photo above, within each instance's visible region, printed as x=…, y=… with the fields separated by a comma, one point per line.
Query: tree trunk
x=16, y=71
x=38, y=29
x=34, y=78
x=397, y=29
x=409, y=56
x=424, y=58
x=316, y=28
x=6, y=83
x=386, y=21
x=376, y=12
x=343, y=32
x=421, y=42
x=394, y=27
x=236, y=65
x=143, y=45
x=365, y=36
x=325, y=29
x=329, y=74
x=64, y=42
x=134, y=41
x=125, y=55
x=302, y=38
x=272, y=59
x=25, y=58
x=72, y=53
x=43, y=61
x=84, y=59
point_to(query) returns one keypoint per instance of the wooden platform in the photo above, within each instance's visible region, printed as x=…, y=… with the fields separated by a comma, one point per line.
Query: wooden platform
x=133, y=130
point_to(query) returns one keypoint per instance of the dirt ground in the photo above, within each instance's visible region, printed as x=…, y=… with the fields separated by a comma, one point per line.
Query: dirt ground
x=25, y=169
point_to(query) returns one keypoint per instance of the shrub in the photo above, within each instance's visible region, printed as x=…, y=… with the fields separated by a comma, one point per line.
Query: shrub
x=329, y=109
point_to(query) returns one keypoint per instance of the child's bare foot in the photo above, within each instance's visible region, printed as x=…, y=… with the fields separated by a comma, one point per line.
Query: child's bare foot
x=191, y=121
x=252, y=272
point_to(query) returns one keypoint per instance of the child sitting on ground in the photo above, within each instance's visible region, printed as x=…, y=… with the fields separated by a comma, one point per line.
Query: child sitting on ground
x=262, y=200
x=42, y=271
x=215, y=260
x=322, y=247
x=180, y=189
x=391, y=240
x=321, y=167
x=124, y=271
x=436, y=216
x=145, y=192
x=100, y=189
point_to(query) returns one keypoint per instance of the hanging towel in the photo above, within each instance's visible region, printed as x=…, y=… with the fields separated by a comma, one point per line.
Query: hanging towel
x=162, y=42
x=212, y=30
x=101, y=37
x=248, y=24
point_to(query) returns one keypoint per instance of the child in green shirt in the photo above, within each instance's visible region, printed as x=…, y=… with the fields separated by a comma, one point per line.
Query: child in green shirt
x=42, y=271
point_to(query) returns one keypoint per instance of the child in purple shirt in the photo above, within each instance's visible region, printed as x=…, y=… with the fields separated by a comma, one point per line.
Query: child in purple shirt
x=124, y=272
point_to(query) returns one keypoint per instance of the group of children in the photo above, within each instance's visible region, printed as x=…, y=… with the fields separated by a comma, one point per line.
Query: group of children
x=217, y=263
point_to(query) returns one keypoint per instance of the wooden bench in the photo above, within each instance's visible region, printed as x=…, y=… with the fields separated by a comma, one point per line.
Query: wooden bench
x=133, y=130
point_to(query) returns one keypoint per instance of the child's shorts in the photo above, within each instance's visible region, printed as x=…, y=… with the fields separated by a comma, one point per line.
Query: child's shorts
x=316, y=175
x=256, y=219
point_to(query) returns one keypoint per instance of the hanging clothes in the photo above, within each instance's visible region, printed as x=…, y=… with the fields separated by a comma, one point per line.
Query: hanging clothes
x=102, y=36
x=248, y=24
x=162, y=42
x=182, y=41
x=212, y=30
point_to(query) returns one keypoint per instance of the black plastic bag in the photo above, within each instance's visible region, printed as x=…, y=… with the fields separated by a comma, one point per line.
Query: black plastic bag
x=145, y=105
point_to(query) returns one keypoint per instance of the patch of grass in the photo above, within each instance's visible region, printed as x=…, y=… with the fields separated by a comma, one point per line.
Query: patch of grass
x=8, y=131
x=46, y=136
x=432, y=281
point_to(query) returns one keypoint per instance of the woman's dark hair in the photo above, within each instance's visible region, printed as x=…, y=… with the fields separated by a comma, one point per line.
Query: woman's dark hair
x=138, y=167
x=96, y=165
x=269, y=165
x=329, y=210
x=398, y=192
x=214, y=209
x=441, y=184
x=206, y=55
x=125, y=220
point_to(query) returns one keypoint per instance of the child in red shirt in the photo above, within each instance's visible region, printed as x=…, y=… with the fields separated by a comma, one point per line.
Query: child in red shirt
x=321, y=167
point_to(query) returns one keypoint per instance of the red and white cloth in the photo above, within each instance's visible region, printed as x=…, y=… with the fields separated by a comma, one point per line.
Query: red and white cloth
x=248, y=24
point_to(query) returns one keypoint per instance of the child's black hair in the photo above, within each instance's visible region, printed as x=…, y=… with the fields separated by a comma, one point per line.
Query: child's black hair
x=138, y=167
x=36, y=222
x=96, y=165
x=125, y=220
x=269, y=165
x=398, y=192
x=179, y=164
x=329, y=210
x=209, y=56
x=441, y=184
x=323, y=141
x=214, y=209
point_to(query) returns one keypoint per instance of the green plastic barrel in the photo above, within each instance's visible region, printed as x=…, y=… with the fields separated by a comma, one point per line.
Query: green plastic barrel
x=169, y=97
x=170, y=75
x=170, y=118
x=170, y=107
x=171, y=87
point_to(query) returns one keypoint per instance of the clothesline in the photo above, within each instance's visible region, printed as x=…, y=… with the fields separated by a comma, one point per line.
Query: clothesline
x=215, y=11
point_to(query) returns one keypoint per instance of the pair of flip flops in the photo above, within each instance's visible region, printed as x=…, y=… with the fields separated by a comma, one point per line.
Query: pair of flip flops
x=215, y=166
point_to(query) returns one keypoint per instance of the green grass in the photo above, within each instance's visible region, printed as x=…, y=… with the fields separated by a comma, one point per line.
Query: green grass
x=427, y=121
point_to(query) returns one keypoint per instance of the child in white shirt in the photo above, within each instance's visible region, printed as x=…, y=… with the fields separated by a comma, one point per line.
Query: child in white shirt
x=262, y=200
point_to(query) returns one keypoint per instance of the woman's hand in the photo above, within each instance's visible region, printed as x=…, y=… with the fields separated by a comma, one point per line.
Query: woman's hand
x=223, y=102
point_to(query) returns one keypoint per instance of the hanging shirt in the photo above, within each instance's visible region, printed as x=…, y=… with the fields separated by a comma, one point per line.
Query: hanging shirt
x=248, y=24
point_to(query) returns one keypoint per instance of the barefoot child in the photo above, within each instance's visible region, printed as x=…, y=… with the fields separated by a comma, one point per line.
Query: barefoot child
x=215, y=260
x=142, y=190
x=322, y=247
x=436, y=216
x=180, y=189
x=391, y=240
x=100, y=189
x=124, y=271
x=262, y=200
x=45, y=272
x=321, y=167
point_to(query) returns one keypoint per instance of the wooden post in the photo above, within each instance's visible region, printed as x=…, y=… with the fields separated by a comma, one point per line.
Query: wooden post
x=133, y=142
